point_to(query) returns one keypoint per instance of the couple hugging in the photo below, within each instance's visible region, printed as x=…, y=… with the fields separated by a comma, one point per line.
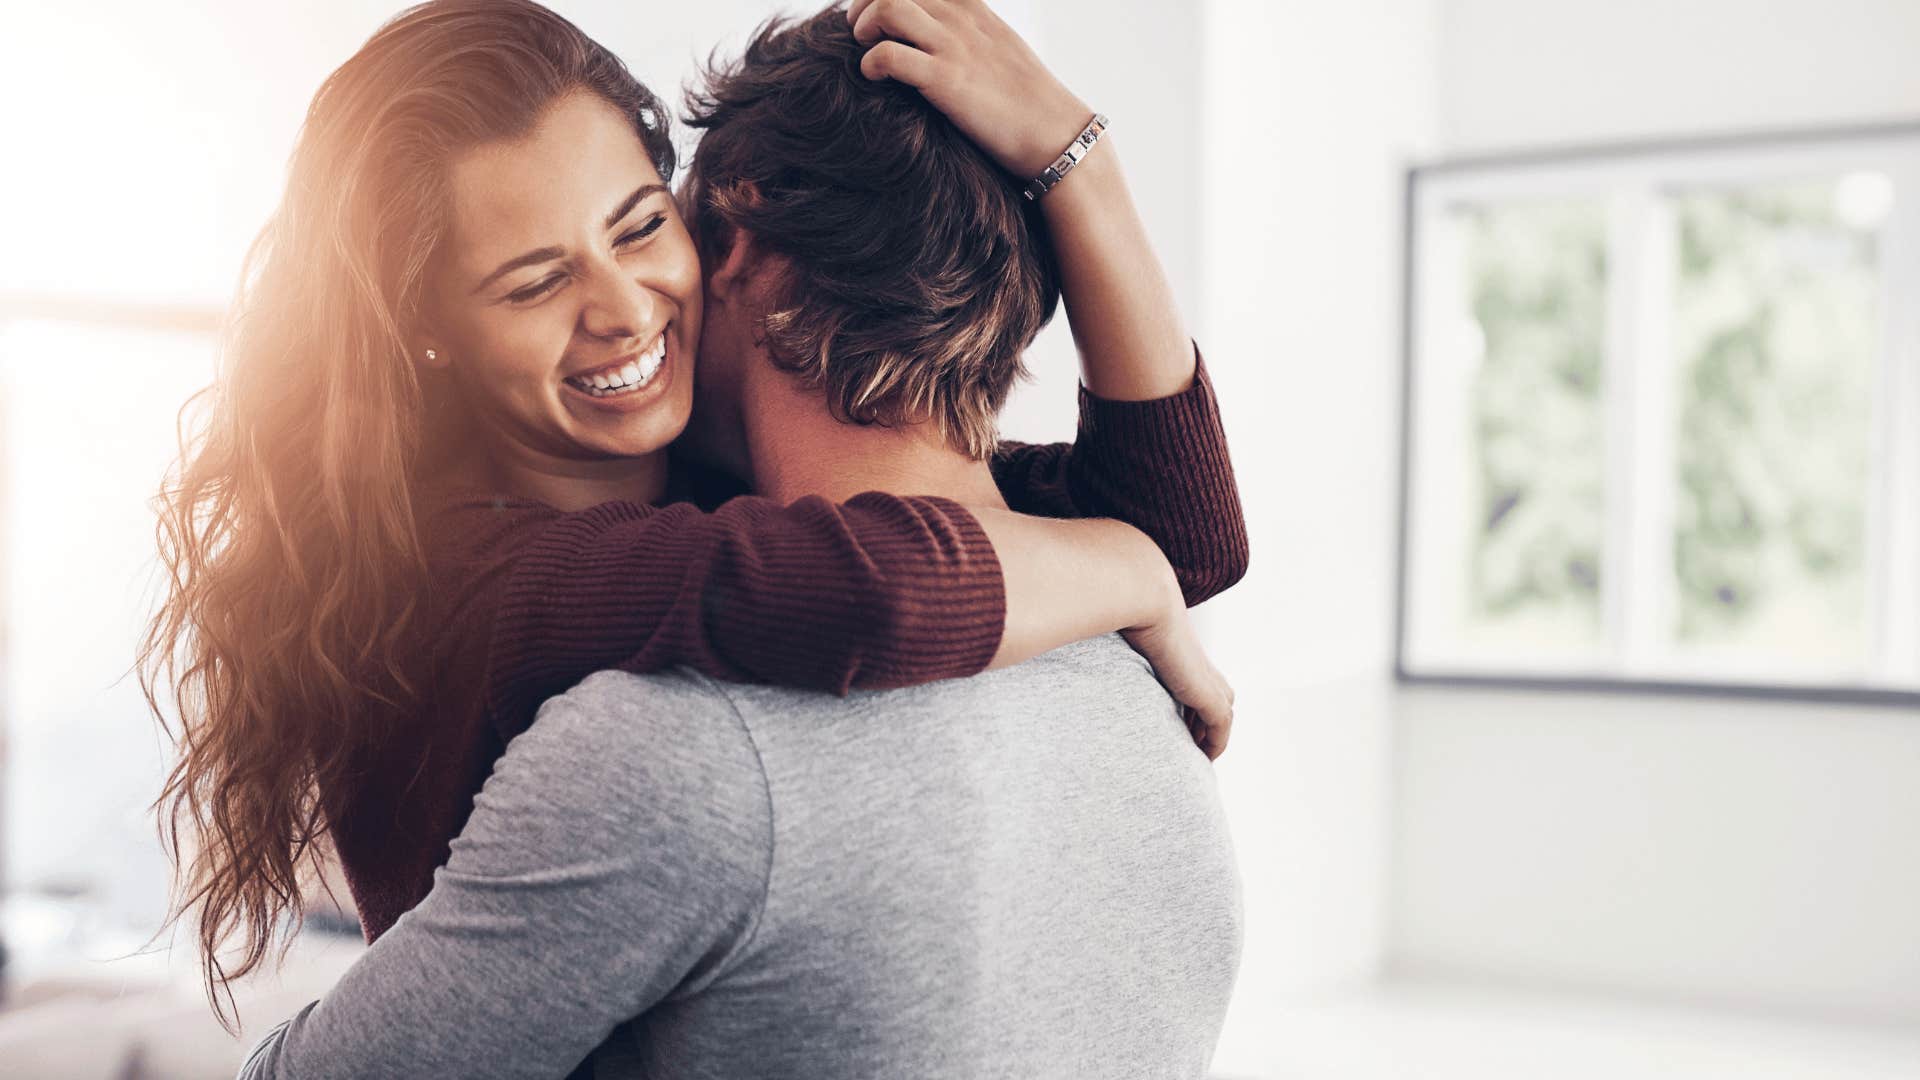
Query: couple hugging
x=629, y=588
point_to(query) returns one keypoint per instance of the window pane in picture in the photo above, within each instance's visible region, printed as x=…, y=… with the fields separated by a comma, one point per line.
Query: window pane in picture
x=1776, y=324
x=1536, y=283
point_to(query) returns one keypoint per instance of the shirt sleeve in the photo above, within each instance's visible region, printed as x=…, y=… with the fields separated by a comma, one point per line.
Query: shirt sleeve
x=1161, y=466
x=878, y=592
x=619, y=853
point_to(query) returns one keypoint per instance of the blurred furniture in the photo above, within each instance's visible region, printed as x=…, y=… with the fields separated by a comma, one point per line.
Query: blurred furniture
x=147, y=1018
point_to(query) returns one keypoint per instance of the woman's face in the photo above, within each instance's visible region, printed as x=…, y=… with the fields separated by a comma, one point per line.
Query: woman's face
x=566, y=304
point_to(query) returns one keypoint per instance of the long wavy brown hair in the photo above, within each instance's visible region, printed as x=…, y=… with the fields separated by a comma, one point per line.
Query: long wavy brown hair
x=294, y=564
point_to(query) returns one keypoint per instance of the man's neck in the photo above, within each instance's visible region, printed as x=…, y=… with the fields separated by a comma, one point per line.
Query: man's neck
x=799, y=449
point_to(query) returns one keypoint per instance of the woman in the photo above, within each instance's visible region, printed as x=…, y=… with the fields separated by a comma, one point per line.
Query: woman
x=419, y=506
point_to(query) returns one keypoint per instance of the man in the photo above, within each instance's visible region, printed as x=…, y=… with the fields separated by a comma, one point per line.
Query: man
x=1022, y=874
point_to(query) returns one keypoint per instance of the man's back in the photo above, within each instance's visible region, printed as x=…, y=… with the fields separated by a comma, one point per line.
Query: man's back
x=1023, y=874
x=1026, y=873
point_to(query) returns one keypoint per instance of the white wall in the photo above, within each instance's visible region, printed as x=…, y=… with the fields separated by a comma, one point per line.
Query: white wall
x=1758, y=854
x=1763, y=854
x=1546, y=72
x=1310, y=113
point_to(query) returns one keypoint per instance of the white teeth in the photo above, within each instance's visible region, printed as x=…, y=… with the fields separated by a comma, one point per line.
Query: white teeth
x=630, y=376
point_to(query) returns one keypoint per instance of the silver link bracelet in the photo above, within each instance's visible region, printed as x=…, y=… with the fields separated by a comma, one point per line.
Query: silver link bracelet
x=1064, y=164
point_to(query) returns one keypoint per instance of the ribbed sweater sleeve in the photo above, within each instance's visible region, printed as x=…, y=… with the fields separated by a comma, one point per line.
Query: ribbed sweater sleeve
x=1161, y=466
x=881, y=591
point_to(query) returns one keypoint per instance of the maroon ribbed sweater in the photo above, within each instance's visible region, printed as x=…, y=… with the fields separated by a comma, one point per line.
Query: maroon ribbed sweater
x=881, y=591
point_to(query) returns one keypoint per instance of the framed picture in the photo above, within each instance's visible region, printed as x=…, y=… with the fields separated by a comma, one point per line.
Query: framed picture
x=1662, y=418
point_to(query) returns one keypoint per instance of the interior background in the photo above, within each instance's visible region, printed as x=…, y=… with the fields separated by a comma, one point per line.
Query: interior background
x=1714, y=853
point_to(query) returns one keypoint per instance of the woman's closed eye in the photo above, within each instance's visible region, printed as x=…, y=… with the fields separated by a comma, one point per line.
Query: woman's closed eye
x=548, y=284
x=634, y=236
x=536, y=290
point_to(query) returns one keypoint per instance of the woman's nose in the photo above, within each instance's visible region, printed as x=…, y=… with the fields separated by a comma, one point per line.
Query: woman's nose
x=617, y=306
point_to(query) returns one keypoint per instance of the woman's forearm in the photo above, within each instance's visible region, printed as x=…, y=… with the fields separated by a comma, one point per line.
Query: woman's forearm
x=1069, y=580
x=974, y=68
x=1133, y=344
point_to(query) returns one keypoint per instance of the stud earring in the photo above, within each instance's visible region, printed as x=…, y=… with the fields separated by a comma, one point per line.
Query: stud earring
x=432, y=356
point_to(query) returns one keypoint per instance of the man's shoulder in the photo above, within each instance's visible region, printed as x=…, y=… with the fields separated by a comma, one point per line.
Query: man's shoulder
x=1104, y=668
x=655, y=698
x=1104, y=655
x=648, y=741
x=707, y=731
x=622, y=711
x=1097, y=677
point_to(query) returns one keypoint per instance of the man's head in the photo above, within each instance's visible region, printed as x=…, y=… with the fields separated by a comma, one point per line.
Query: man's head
x=904, y=274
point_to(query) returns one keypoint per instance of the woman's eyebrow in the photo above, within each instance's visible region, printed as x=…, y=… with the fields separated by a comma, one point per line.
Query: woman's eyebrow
x=544, y=254
x=627, y=204
x=530, y=258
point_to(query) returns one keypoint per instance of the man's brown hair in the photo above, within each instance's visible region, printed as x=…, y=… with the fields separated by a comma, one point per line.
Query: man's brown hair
x=919, y=274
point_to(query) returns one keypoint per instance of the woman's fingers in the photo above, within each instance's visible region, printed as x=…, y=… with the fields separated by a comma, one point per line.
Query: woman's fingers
x=901, y=63
x=1181, y=664
x=1210, y=735
x=901, y=20
x=932, y=7
x=1210, y=717
x=1221, y=730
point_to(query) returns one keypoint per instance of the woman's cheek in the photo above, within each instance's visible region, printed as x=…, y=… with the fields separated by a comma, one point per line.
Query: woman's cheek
x=534, y=343
x=682, y=276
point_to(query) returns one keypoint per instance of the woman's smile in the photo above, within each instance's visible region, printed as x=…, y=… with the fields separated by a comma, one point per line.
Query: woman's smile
x=630, y=382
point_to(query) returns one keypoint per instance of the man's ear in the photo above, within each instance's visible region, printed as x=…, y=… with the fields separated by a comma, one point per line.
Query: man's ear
x=736, y=258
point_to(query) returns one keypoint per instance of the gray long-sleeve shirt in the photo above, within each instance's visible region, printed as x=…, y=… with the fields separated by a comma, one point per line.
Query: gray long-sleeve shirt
x=1023, y=874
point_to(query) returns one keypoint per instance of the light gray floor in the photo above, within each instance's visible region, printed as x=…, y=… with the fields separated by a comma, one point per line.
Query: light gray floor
x=1453, y=1032
x=144, y=1019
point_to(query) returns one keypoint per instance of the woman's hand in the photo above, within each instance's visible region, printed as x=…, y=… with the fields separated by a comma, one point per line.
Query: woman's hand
x=1173, y=648
x=1133, y=344
x=972, y=66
